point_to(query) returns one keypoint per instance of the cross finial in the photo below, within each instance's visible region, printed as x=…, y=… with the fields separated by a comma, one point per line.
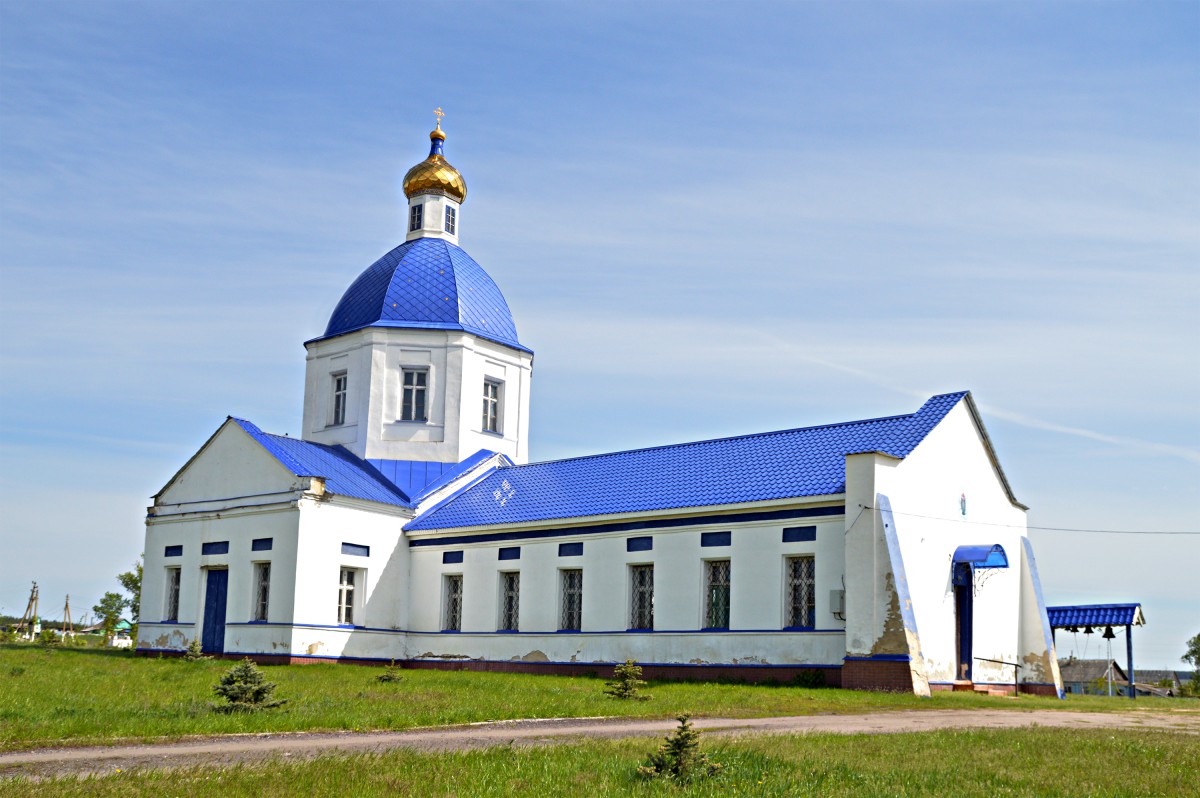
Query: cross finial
x=439, y=113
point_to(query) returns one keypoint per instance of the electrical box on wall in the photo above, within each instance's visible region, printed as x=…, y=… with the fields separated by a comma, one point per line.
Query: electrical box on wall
x=837, y=602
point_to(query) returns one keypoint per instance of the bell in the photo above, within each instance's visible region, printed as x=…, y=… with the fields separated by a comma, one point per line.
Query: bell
x=1087, y=630
x=1072, y=628
x=1108, y=633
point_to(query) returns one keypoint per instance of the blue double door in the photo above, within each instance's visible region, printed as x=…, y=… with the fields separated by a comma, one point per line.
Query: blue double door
x=216, y=589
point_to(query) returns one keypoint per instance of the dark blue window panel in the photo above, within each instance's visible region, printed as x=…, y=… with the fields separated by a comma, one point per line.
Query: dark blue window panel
x=220, y=547
x=570, y=549
x=173, y=551
x=639, y=544
x=261, y=544
x=510, y=553
x=356, y=549
x=451, y=557
x=799, y=534
x=715, y=538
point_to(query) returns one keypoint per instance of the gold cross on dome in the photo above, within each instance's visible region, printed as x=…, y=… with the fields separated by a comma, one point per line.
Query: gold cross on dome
x=439, y=113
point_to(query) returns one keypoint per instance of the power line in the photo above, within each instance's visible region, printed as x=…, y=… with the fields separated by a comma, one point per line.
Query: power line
x=1044, y=528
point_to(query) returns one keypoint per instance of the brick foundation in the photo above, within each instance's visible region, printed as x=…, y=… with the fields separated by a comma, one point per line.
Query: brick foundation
x=885, y=675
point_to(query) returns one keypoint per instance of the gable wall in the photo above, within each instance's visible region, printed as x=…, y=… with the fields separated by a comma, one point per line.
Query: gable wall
x=232, y=464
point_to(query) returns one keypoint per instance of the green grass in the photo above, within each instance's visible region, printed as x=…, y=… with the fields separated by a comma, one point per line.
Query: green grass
x=965, y=764
x=65, y=696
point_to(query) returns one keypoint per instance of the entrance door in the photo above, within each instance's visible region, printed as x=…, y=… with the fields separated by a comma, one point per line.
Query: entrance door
x=212, y=639
x=964, y=611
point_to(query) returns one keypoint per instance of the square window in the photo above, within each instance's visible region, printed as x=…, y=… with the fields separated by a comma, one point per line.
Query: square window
x=346, y=596
x=416, y=217
x=415, y=393
x=171, y=610
x=510, y=601
x=491, y=406
x=452, y=586
x=641, y=598
x=800, y=609
x=571, y=617
x=262, y=590
x=451, y=219
x=340, y=384
x=716, y=606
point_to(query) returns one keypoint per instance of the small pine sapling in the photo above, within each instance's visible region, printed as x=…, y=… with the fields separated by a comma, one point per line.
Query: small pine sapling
x=626, y=682
x=680, y=757
x=391, y=673
x=194, y=653
x=246, y=689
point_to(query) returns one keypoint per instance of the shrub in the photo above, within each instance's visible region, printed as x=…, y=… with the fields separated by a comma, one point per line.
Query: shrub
x=626, y=682
x=193, y=653
x=811, y=678
x=680, y=757
x=48, y=637
x=391, y=673
x=246, y=689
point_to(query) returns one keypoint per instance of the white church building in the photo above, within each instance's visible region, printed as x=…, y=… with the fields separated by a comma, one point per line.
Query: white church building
x=406, y=523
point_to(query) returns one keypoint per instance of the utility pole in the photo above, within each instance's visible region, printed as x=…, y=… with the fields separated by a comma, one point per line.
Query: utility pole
x=68, y=628
x=30, y=617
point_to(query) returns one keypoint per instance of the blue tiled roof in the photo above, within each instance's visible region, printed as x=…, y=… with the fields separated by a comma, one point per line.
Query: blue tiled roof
x=1095, y=615
x=344, y=474
x=427, y=284
x=772, y=465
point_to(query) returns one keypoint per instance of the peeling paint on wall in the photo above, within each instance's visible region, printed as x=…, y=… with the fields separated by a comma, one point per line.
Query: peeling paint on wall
x=893, y=639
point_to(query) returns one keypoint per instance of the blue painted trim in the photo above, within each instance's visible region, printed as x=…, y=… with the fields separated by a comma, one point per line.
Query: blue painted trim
x=219, y=547
x=509, y=553
x=639, y=544
x=262, y=544
x=173, y=551
x=631, y=526
x=356, y=549
x=468, y=632
x=799, y=534
x=570, y=549
x=879, y=658
x=452, y=557
x=714, y=539
x=336, y=627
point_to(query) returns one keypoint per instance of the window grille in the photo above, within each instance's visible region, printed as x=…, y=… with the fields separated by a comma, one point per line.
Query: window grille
x=416, y=386
x=416, y=217
x=491, y=406
x=572, y=600
x=641, y=605
x=172, y=608
x=262, y=589
x=339, y=399
x=346, y=597
x=801, y=592
x=717, y=605
x=510, y=601
x=451, y=219
x=452, y=615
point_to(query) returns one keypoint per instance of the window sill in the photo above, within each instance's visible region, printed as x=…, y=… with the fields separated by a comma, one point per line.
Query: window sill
x=493, y=433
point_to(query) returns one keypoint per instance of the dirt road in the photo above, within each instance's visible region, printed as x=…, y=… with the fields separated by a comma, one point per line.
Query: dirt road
x=228, y=750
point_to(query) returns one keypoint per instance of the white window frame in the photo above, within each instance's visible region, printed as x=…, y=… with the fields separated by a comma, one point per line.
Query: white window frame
x=260, y=601
x=510, y=602
x=452, y=602
x=408, y=403
x=416, y=217
x=451, y=220
x=341, y=393
x=718, y=574
x=570, y=601
x=174, y=579
x=641, y=596
x=493, y=405
x=806, y=584
x=349, y=595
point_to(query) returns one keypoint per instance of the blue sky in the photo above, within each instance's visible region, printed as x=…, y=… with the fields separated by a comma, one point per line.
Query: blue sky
x=708, y=219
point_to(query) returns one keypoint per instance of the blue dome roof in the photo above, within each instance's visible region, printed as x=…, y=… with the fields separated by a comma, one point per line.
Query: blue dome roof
x=426, y=284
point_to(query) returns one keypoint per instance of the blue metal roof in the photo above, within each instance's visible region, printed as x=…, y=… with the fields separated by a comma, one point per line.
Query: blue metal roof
x=773, y=465
x=344, y=474
x=427, y=284
x=417, y=478
x=1096, y=615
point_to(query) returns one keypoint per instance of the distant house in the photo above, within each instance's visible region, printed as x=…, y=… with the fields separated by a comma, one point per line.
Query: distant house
x=1090, y=676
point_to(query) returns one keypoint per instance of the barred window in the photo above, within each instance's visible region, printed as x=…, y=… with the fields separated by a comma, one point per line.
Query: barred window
x=491, y=406
x=339, y=398
x=346, y=597
x=451, y=219
x=801, y=609
x=452, y=603
x=717, y=604
x=510, y=601
x=641, y=604
x=572, y=599
x=171, y=611
x=262, y=589
x=416, y=385
x=416, y=217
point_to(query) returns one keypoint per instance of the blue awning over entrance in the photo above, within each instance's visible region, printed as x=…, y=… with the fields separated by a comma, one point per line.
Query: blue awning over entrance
x=981, y=556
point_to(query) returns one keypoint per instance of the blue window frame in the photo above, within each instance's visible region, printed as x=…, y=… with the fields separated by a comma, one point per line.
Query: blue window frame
x=356, y=549
x=262, y=544
x=639, y=544
x=220, y=547
x=715, y=538
x=570, y=549
x=799, y=534
x=451, y=557
x=510, y=553
x=173, y=551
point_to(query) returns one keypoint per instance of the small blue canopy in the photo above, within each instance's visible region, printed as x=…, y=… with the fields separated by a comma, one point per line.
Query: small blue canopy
x=981, y=556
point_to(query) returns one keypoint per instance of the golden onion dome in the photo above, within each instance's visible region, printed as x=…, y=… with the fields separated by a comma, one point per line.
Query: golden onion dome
x=435, y=175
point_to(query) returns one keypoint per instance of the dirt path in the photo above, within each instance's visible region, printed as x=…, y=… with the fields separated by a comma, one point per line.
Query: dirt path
x=233, y=749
